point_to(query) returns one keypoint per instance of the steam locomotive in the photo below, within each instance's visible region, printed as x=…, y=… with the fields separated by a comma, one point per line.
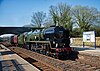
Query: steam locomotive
x=52, y=41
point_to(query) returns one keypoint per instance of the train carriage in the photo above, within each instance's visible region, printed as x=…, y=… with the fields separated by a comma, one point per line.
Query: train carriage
x=14, y=40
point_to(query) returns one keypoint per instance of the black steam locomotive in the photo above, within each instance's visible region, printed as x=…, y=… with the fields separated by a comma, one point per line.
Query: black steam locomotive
x=52, y=41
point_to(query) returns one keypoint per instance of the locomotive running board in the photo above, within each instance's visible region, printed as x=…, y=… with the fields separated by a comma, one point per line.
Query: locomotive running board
x=43, y=42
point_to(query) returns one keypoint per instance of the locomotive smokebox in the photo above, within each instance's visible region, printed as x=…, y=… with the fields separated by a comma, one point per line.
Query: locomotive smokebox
x=58, y=36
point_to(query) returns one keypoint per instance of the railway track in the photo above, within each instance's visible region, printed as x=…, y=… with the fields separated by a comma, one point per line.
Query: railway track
x=39, y=64
x=90, y=60
x=46, y=63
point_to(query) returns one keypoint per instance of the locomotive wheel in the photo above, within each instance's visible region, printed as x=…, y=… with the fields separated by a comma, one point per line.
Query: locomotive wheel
x=41, y=51
x=44, y=52
x=53, y=56
x=47, y=53
x=57, y=57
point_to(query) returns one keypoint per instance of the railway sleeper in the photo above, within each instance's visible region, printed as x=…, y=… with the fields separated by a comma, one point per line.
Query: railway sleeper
x=71, y=62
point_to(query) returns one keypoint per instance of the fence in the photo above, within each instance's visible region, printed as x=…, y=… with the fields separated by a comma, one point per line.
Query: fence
x=78, y=42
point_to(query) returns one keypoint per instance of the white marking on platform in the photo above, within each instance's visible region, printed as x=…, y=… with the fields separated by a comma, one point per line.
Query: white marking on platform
x=0, y=57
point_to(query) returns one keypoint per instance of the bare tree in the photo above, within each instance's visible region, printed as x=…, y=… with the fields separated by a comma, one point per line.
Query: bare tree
x=85, y=17
x=48, y=22
x=38, y=18
x=61, y=14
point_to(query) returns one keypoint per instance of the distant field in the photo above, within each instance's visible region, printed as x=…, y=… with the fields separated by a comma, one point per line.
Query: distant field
x=78, y=42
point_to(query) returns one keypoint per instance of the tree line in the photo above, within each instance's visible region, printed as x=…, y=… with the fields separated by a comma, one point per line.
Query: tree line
x=77, y=19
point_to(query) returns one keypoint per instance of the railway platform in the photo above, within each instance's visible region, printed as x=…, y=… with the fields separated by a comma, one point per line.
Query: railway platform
x=9, y=61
